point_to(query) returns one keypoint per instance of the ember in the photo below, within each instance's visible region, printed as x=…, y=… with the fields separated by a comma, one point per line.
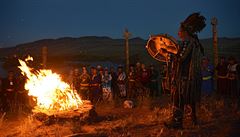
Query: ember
x=51, y=94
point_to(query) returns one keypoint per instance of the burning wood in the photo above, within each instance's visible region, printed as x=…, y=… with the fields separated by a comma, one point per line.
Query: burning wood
x=53, y=96
x=84, y=113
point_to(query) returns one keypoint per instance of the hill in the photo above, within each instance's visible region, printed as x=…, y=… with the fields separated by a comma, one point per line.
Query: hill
x=92, y=48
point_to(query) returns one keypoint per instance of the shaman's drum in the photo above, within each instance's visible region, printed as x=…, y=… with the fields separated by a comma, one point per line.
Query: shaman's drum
x=162, y=46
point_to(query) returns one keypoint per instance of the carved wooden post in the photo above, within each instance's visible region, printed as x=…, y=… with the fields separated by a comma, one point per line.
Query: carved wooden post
x=215, y=42
x=44, y=56
x=215, y=48
x=127, y=36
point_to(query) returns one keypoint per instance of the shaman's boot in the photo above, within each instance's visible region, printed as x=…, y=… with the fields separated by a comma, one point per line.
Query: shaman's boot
x=173, y=124
x=177, y=121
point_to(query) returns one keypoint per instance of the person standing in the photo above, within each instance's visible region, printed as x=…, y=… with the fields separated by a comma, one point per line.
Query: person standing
x=132, y=89
x=207, y=77
x=153, y=85
x=114, y=87
x=222, y=70
x=121, y=82
x=9, y=86
x=139, y=86
x=22, y=96
x=84, y=81
x=95, y=86
x=106, y=85
x=76, y=84
x=186, y=74
x=145, y=75
x=69, y=78
x=232, y=77
x=138, y=70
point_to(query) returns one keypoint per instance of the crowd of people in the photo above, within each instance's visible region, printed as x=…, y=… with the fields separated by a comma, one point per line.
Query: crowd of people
x=228, y=77
x=109, y=84
x=13, y=97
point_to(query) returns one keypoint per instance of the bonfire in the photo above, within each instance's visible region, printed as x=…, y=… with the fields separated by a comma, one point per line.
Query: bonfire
x=51, y=93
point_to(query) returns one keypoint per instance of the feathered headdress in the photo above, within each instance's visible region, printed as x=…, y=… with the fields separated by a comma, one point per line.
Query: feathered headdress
x=194, y=23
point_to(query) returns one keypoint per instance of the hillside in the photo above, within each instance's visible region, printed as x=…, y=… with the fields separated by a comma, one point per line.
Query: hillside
x=92, y=48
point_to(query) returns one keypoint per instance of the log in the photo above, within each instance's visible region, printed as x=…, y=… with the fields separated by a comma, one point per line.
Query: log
x=86, y=113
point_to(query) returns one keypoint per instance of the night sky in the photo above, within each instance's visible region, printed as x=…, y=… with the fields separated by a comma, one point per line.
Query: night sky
x=29, y=20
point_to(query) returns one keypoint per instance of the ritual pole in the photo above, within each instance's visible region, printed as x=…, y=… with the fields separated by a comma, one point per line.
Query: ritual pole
x=215, y=40
x=127, y=36
x=44, y=56
x=215, y=45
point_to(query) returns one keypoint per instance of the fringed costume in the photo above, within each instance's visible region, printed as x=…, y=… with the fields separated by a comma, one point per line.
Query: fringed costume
x=186, y=75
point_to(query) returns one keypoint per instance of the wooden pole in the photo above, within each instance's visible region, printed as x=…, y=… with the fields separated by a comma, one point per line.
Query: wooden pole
x=127, y=36
x=215, y=41
x=44, y=56
x=215, y=48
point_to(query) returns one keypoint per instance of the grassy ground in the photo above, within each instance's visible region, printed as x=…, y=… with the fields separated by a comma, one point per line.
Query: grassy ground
x=217, y=118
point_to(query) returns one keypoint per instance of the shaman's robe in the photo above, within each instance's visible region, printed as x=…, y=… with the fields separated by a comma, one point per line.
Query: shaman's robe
x=186, y=80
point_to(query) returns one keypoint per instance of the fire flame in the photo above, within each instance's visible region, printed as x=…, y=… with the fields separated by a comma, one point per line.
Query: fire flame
x=51, y=93
x=29, y=58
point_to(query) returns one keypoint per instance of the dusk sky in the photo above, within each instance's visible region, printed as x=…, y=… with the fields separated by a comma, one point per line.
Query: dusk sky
x=30, y=20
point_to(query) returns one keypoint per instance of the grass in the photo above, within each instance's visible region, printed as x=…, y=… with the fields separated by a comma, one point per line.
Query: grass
x=26, y=127
x=2, y=119
x=214, y=114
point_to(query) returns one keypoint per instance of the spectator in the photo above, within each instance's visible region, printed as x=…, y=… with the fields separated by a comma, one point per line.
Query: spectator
x=207, y=71
x=84, y=81
x=153, y=85
x=95, y=86
x=232, y=76
x=132, y=88
x=76, y=84
x=106, y=86
x=70, y=78
x=145, y=75
x=9, y=87
x=115, y=91
x=121, y=81
x=222, y=70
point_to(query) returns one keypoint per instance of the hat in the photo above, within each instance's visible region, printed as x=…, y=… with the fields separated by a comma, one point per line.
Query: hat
x=131, y=65
x=99, y=67
x=120, y=66
x=138, y=63
x=194, y=23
